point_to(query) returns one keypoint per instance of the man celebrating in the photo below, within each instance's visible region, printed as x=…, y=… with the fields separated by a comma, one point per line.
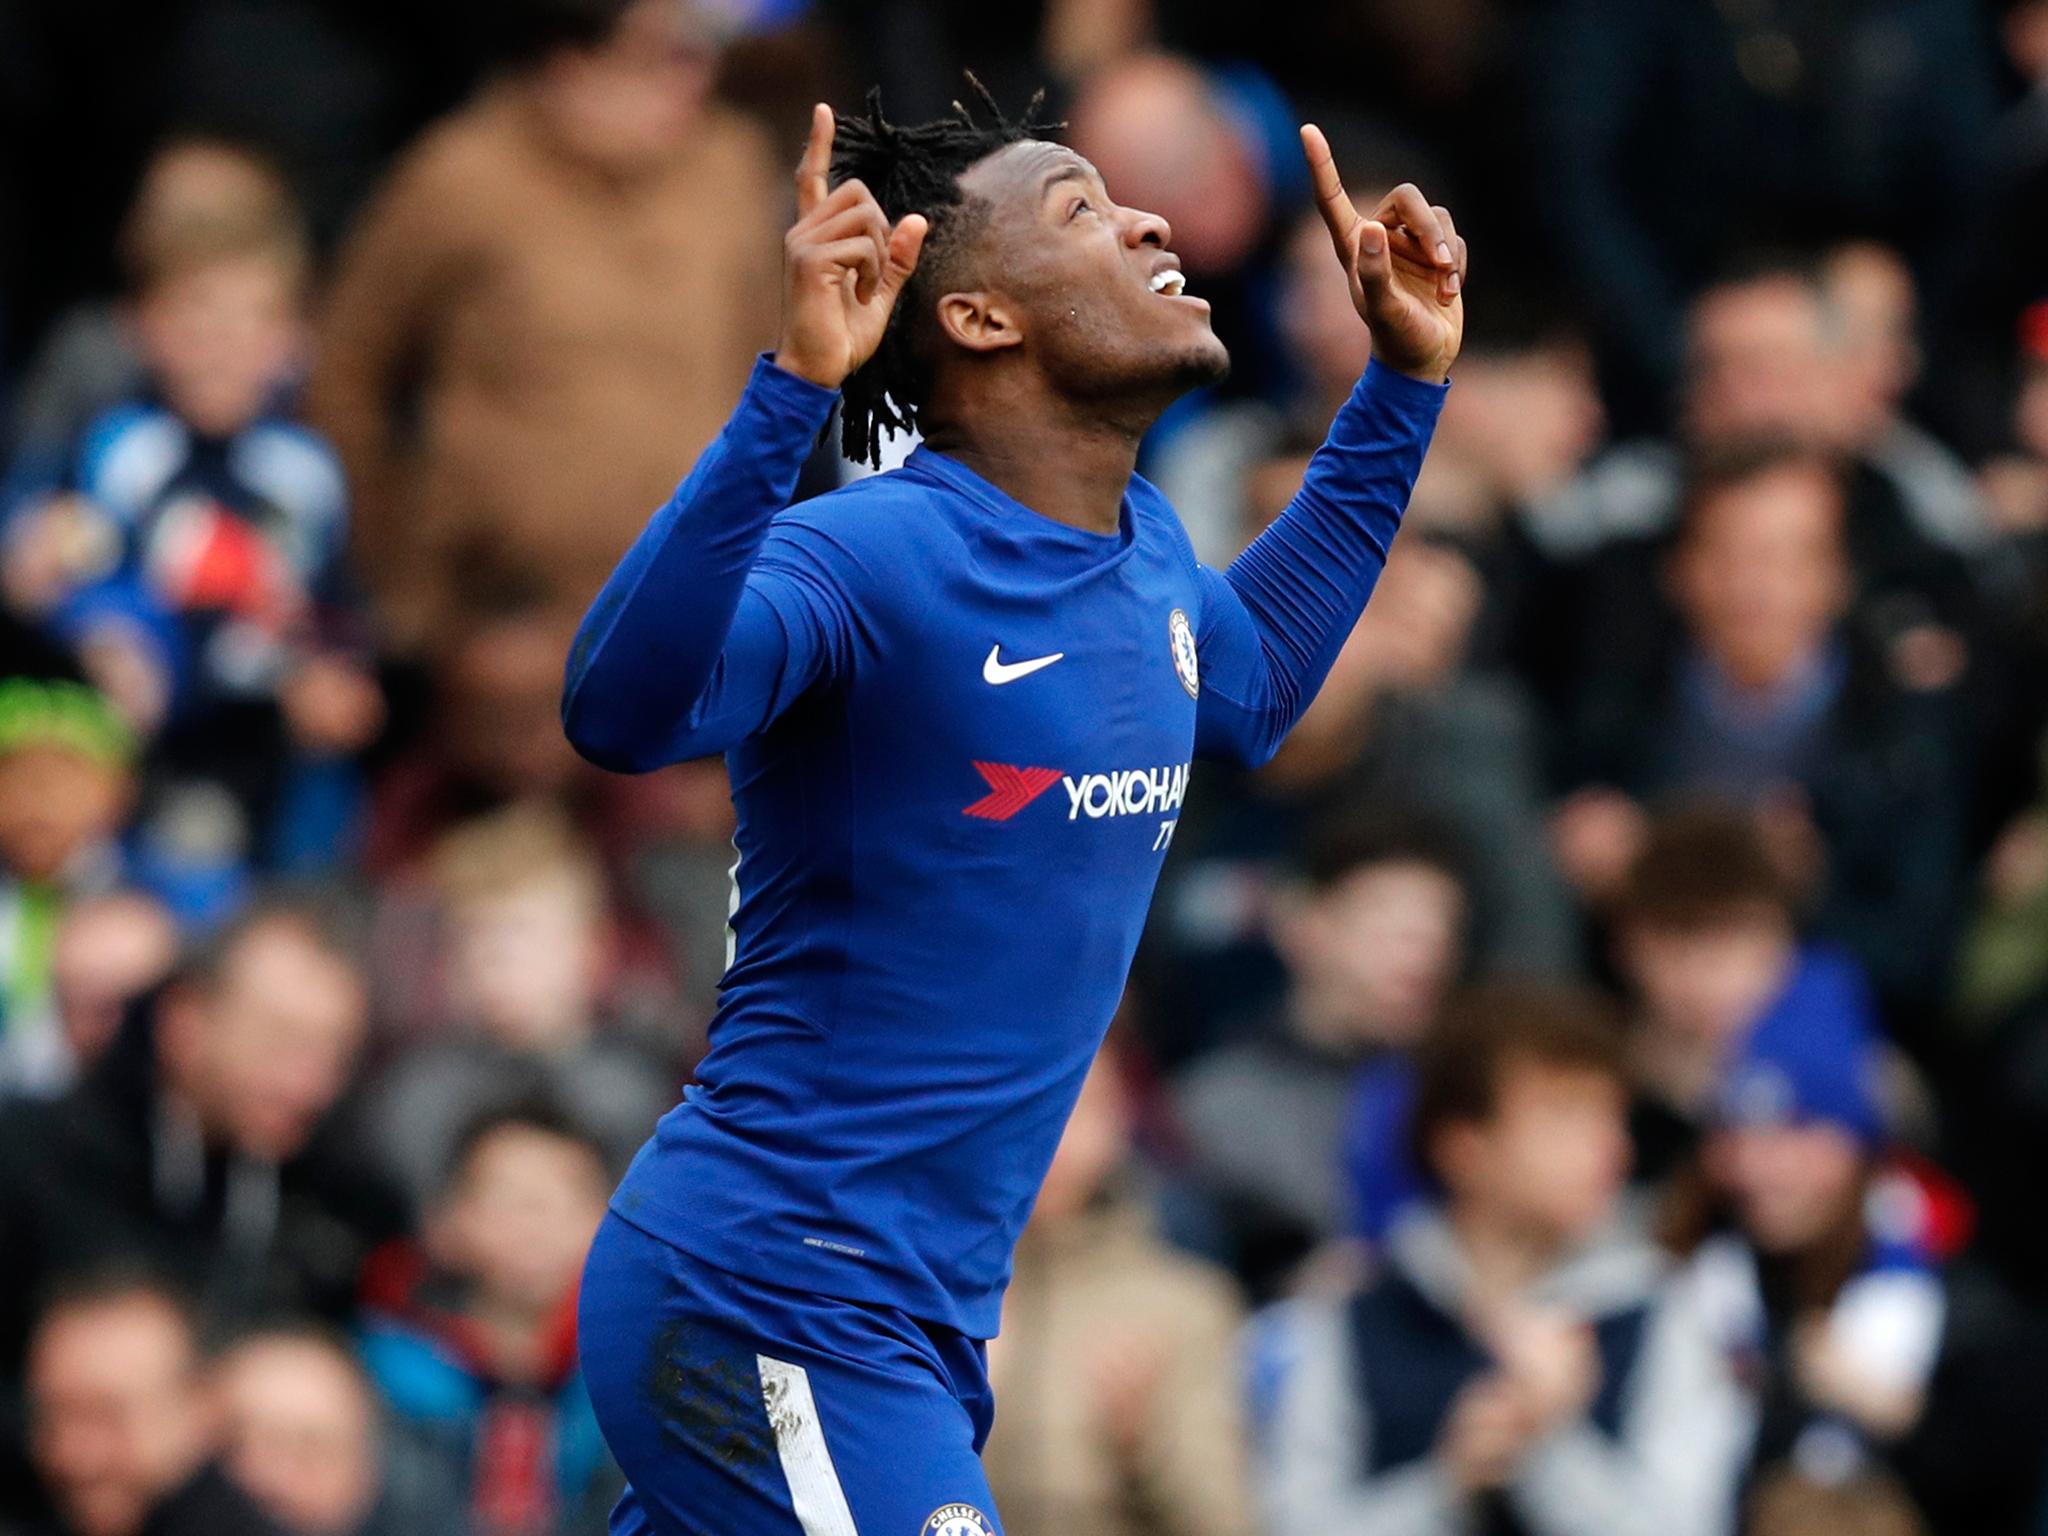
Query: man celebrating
x=958, y=702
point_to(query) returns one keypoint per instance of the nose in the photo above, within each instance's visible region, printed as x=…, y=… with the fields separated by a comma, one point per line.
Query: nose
x=1142, y=229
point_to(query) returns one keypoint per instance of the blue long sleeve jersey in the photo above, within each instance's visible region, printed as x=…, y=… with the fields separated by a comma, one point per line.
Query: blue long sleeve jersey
x=958, y=734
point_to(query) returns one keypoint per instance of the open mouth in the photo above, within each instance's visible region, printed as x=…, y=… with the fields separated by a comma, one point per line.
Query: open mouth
x=1169, y=281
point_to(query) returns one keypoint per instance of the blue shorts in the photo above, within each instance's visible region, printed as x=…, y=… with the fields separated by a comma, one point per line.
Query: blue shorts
x=740, y=1409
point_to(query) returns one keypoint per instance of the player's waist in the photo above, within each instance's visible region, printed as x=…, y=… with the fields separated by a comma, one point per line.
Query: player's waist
x=895, y=1228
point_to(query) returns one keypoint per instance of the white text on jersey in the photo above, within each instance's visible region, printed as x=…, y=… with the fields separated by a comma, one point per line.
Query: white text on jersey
x=1126, y=792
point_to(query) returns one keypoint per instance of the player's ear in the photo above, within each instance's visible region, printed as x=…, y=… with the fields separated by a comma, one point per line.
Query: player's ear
x=979, y=321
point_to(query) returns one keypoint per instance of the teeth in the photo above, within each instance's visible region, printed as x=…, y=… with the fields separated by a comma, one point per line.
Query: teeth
x=1168, y=282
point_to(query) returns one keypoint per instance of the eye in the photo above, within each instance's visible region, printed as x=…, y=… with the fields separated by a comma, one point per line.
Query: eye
x=1081, y=205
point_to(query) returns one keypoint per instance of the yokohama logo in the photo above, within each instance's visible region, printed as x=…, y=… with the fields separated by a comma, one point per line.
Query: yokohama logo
x=1126, y=792
x=1010, y=789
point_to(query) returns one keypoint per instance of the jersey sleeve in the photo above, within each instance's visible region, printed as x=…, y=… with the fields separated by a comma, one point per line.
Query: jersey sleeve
x=1272, y=624
x=715, y=621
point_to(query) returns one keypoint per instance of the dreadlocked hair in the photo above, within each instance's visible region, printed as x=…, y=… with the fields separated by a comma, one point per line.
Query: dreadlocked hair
x=914, y=169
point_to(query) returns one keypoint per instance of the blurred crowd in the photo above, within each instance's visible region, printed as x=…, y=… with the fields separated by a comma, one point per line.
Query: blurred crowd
x=1589, y=1084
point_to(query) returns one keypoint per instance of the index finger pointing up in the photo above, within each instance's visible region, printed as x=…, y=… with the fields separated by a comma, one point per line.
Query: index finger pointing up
x=1331, y=200
x=812, y=170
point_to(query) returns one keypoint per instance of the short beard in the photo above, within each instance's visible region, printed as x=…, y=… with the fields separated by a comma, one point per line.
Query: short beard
x=1139, y=395
x=1202, y=368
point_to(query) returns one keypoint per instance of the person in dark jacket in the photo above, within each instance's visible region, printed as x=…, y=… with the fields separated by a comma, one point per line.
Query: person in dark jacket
x=123, y=1425
x=1851, y=756
x=471, y=1334
x=306, y=1436
x=198, y=1142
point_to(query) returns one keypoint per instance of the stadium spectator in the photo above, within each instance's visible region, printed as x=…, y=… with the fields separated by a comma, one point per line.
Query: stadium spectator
x=193, y=546
x=471, y=1334
x=2016, y=483
x=1868, y=293
x=1117, y=1363
x=1769, y=702
x=1826, y=1283
x=1705, y=936
x=1770, y=358
x=1520, y=1362
x=539, y=321
x=526, y=942
x=90, y=362
x=192, y=1143
x=2000, y=1091
x=123, y=1429
x=66, y=781
x=305, y=1437
x=1371, y=937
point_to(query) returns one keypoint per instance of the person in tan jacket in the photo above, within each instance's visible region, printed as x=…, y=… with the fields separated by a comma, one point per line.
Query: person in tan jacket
x=1117, y=1365
x=544, y=311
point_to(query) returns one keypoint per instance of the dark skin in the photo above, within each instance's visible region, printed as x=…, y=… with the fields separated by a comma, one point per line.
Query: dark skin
x=1053, y=355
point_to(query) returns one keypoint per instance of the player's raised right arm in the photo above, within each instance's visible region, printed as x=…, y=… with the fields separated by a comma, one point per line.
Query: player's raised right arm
x=682, y=654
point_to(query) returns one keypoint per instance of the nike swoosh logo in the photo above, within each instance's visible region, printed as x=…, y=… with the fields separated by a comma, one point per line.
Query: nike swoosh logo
x=997, y=671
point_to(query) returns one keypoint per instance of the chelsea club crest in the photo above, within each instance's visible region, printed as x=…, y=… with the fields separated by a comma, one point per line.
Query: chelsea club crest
x=1182, y=635
x=957, y=1520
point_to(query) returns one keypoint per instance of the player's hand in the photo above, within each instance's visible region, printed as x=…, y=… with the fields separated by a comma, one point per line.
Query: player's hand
x=842, y=268
x=1406, y=264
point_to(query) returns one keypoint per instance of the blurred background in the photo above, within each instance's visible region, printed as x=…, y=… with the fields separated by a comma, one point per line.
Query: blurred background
x=1593, y=1082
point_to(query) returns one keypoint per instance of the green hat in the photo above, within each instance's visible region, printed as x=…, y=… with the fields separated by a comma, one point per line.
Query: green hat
x=43, y=712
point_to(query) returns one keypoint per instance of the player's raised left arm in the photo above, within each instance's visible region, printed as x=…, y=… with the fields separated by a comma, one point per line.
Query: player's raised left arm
x=1273, y=623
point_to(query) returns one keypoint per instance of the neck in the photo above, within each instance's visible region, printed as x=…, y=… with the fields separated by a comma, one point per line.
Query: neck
x=1071, y=462
x=1505, y=1257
